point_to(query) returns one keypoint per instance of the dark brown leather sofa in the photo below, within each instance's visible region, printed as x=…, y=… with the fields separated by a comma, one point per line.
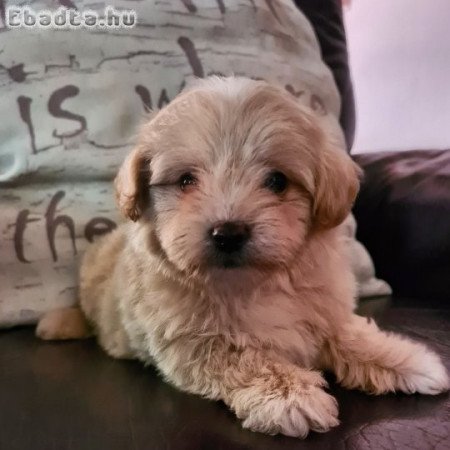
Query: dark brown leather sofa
x=71, y=396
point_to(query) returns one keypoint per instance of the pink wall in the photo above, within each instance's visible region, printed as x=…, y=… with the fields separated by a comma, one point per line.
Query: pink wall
x=400, y=58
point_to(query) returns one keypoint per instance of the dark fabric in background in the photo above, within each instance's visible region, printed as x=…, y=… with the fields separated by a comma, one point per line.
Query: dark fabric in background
x=327, y=21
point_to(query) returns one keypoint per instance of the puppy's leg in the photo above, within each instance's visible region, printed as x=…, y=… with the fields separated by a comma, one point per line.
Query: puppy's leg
x=270, y=397
x=64, y=323
x=362, y=356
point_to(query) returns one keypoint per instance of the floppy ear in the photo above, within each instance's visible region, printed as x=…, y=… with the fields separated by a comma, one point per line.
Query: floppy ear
x=337, y=183
x=131, y=185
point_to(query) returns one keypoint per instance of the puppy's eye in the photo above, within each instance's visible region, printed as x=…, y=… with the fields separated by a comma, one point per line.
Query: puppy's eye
x=277, y=182
x=186, y=181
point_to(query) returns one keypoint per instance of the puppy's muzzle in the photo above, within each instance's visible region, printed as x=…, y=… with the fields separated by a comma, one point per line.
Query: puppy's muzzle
x=229, y=237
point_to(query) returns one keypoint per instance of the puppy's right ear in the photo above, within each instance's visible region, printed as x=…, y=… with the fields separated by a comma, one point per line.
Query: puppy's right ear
x=337, y=186
x=131, y=184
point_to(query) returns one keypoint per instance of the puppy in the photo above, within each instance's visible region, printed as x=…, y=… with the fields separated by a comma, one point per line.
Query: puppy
x=231, y=275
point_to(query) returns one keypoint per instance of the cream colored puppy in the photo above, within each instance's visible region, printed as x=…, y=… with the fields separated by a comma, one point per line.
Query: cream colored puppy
x=231, y=278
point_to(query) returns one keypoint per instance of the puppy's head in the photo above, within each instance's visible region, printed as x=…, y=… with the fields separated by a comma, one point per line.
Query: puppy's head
x=234, y=174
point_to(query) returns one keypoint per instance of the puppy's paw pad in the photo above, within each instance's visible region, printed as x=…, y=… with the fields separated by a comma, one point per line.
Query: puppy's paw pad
x=295, y=415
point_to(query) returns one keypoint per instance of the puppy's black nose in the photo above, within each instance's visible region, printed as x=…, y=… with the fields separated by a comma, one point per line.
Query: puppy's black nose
x=229, y=237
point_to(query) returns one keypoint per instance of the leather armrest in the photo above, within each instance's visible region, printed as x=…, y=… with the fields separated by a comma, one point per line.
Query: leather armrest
x=403, y=215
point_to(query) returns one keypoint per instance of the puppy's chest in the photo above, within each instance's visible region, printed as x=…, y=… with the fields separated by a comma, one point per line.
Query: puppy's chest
x=282, y=324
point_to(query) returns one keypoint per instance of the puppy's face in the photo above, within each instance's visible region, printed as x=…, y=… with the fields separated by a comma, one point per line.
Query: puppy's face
x=233, y=174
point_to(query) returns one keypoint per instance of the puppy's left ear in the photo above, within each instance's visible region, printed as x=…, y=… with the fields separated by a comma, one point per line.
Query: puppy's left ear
x=131, y=184
x=337, y=183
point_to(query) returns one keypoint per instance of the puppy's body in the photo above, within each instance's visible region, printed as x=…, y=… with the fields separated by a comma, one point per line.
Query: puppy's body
x=289, y=312
x=246, y=315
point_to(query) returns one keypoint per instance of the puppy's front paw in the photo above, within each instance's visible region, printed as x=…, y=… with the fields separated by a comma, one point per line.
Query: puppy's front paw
x=423, y=373
x=293, y=414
